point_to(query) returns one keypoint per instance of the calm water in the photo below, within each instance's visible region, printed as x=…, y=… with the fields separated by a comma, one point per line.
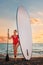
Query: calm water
x=37, y=50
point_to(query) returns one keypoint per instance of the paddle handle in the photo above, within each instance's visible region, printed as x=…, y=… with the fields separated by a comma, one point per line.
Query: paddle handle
x=8, y=33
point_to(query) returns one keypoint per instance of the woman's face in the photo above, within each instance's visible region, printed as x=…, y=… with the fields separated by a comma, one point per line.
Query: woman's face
x=14, y=32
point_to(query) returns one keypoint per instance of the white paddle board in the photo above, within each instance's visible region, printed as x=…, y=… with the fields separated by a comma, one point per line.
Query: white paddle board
x=24, y=30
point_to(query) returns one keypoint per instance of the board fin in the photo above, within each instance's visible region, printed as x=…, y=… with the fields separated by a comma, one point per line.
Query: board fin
x=27, y=52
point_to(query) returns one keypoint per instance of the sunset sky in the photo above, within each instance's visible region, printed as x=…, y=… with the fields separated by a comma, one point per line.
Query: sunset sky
x=8, y=10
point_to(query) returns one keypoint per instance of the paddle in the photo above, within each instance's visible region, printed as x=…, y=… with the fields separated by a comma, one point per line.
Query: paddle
x=7, y=56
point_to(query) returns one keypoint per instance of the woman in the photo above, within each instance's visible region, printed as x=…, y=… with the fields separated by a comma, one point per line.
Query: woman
x=15, y=39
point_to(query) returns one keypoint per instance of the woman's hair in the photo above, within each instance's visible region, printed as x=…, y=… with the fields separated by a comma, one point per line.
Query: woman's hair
x=15, y=30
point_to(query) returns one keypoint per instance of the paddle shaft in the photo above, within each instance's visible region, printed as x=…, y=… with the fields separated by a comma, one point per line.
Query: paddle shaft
x=7, y=40
x=7, y=56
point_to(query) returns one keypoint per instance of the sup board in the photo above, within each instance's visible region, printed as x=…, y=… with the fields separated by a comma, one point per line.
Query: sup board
x=24, y=30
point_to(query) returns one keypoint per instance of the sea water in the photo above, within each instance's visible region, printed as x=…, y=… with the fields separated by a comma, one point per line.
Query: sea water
x=37, y=50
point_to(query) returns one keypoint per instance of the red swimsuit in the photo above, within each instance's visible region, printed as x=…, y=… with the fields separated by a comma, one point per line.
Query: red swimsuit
x=15, y=39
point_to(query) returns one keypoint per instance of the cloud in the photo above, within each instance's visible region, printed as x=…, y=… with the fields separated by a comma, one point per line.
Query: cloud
x=3, y=39
x=34, y=20
x=37, y=13
x=5, y=24
x=40, y=13
x=37, y=37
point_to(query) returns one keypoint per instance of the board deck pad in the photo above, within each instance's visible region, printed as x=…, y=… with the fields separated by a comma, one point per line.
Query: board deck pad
x=24, y=31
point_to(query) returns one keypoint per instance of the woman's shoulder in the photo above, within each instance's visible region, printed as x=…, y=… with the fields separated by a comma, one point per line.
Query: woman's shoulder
x=12, y=36
x=18, y=36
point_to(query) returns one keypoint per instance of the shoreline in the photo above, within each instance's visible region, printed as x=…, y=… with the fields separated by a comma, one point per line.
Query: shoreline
x=21, y=56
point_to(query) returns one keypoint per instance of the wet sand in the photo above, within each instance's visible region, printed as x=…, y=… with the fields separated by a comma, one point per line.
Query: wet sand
x=22, y=61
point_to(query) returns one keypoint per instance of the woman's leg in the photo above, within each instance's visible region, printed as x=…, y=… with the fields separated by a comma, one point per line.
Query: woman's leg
x=16, y=48
x=17, y=45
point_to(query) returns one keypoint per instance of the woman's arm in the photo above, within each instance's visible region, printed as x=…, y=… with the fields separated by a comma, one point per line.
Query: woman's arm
x=9, y=37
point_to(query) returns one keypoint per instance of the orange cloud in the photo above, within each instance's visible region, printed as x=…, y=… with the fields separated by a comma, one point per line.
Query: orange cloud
x=34, y=20
x=3, y=39
x=37, y=37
